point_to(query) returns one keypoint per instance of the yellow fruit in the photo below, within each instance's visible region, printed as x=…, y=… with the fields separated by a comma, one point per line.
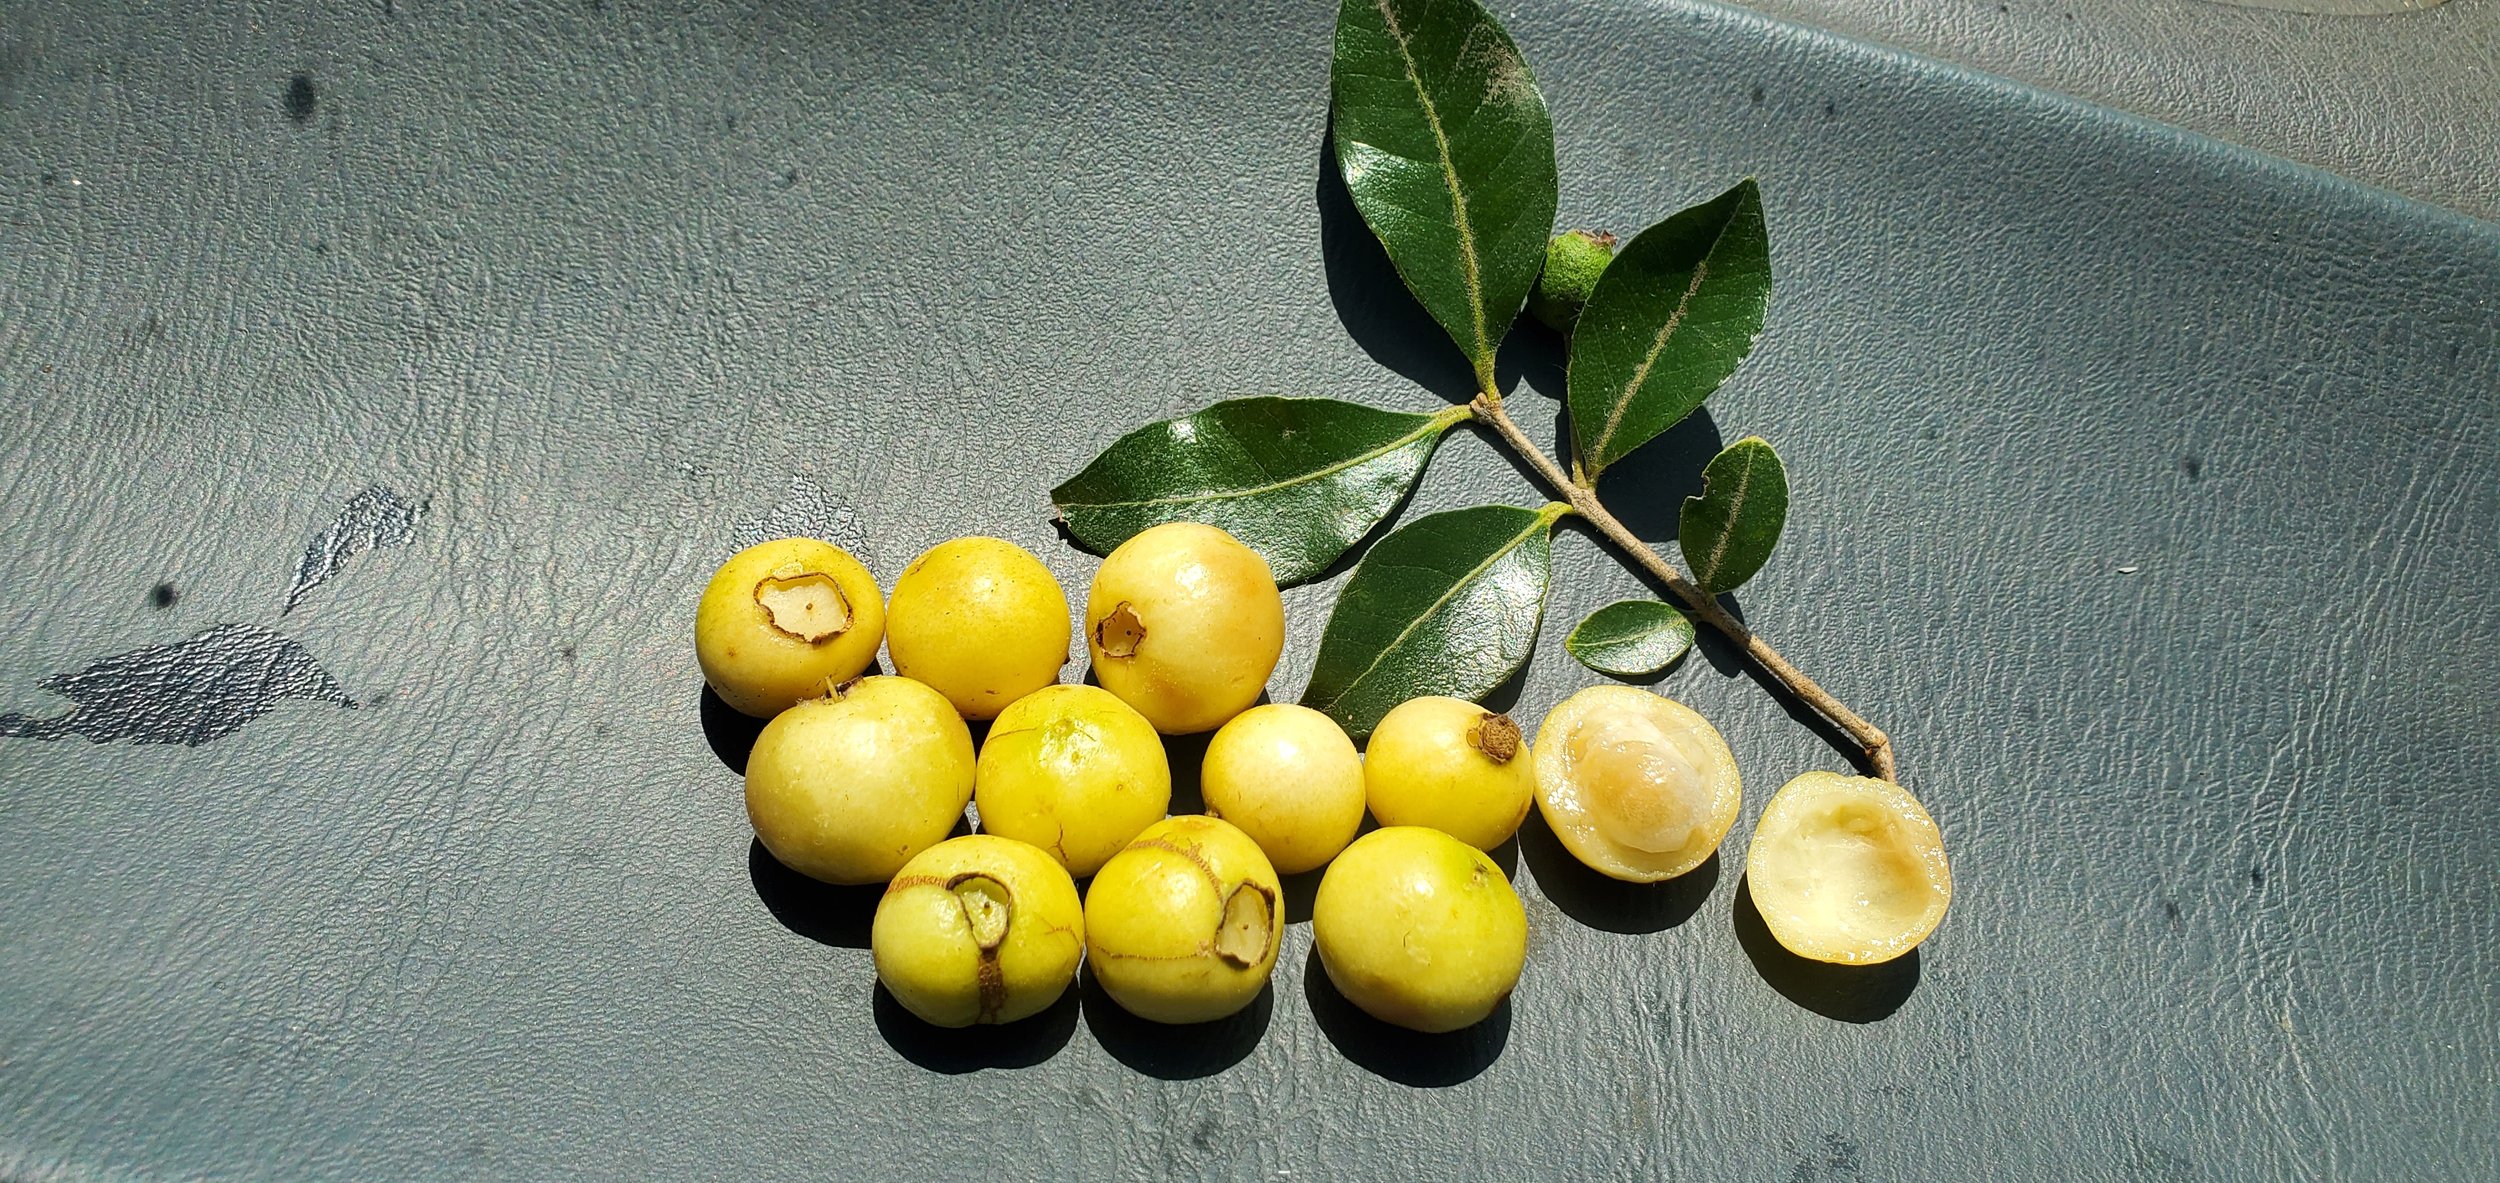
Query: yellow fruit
x=1847, y=869
x=783, y=619
x=1419, y=929
x=1640, y=788
x=978, y=929
x=1290, y=779
x=1451, y=765
x=1072, y=770
x=981, y=621
x=847, y=788
x=1184, y=623
x=1183, y=926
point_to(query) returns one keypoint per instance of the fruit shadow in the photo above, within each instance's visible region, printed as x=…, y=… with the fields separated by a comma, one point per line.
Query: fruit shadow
x=821, y=912
x=1173, y=1052
x=1410, y=1058
x=955, y=1051
x=1611, y=905
x=1378, y=311
x=1849, y=993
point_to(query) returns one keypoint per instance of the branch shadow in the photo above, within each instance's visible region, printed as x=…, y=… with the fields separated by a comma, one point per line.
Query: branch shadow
x=955, y=1051
x=1849, y=993
x=1166, y=1052
x=821, y=912
x=1611, y=905
x=1410, y=1058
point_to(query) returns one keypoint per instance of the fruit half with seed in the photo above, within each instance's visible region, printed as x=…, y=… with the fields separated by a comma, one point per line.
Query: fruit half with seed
x=782, y=620
x=1848, y=869
x=978, y=929
x=1637, y=786
x=1451, y=765
x=1184, y=925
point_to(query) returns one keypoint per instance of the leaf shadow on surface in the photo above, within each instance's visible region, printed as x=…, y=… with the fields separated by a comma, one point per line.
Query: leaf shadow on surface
x=1849, y=993
x=958, y=1050
x=1380, y=313
x=1410, y=1058
x=1168, y=1052
x=821, y=912
x=1611, y=905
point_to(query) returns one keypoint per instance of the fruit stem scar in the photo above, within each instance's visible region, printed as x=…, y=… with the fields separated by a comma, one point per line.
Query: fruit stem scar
x=807, y=605
x=1496, y=736
x=1249, y=924
x=1121, y=632
x=988, y=906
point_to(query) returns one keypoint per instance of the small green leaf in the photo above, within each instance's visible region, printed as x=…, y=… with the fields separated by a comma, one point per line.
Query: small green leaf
x=1670, y=319
x=1448, y=604
x=1728, y=532
x=1631, y=638
x=1448, y=152
x=1297, y=479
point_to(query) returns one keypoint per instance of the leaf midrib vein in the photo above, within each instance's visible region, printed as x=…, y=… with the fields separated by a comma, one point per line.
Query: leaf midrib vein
x=1657, y=346
x=1449, y=174
x=1252, y=491
x=1471, y=575
x=1727, y=534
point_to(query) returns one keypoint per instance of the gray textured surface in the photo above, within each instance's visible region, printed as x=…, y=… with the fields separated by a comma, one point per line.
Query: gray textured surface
x=2409, y=101
x=598, y=282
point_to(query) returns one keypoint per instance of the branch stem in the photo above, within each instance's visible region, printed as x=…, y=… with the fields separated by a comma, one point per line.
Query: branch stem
x=1582, y=497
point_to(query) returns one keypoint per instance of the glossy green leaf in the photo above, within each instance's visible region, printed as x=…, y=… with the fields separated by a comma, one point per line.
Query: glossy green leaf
x=1670, y=319
x=1297, y=479
x=1631, y=638
x=1728, y=532
x=1447, y=604
x=1449, y=154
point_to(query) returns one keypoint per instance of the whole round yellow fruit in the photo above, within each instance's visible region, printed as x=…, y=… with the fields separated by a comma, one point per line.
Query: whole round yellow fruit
x=1185, y=624
x=781, y=620
x=1290, y=779
x=1419, y=929
x=848, y=787
x=981, y=621
x=1638, y=787
x=1073, y=770
x=1848, y=869
x=978, y=929
x=1451, y=765
x=1183, y=926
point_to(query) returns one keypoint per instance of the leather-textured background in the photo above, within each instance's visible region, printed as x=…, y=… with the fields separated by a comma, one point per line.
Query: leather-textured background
x=2146, y=490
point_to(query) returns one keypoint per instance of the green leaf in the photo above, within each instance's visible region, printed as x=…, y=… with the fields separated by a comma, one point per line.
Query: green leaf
x=1631, y=638
x=1448, y=604
x=1297, y=479
x=1729, y=530
x=1670, y=319
x=1449, y=154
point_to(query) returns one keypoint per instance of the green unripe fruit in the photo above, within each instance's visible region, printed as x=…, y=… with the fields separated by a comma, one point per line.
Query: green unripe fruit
x=1573, y=262
x=1073, y=770
x=978, y=929
x=847, y=788
x=782, y=620
x=1451, y=765
x=1290, y=779
x=1183, y=926
x=1419, y=929
x=1185, y=624
x=981, y=621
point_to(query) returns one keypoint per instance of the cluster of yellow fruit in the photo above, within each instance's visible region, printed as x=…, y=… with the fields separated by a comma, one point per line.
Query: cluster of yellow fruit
x=860, y=780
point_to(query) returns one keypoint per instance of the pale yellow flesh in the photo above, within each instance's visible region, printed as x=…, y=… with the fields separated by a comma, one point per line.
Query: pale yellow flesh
x=1848, y=869
x=1637, y=787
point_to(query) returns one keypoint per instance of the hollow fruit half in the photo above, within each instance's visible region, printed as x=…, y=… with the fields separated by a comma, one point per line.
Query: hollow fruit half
x=1848, y=869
